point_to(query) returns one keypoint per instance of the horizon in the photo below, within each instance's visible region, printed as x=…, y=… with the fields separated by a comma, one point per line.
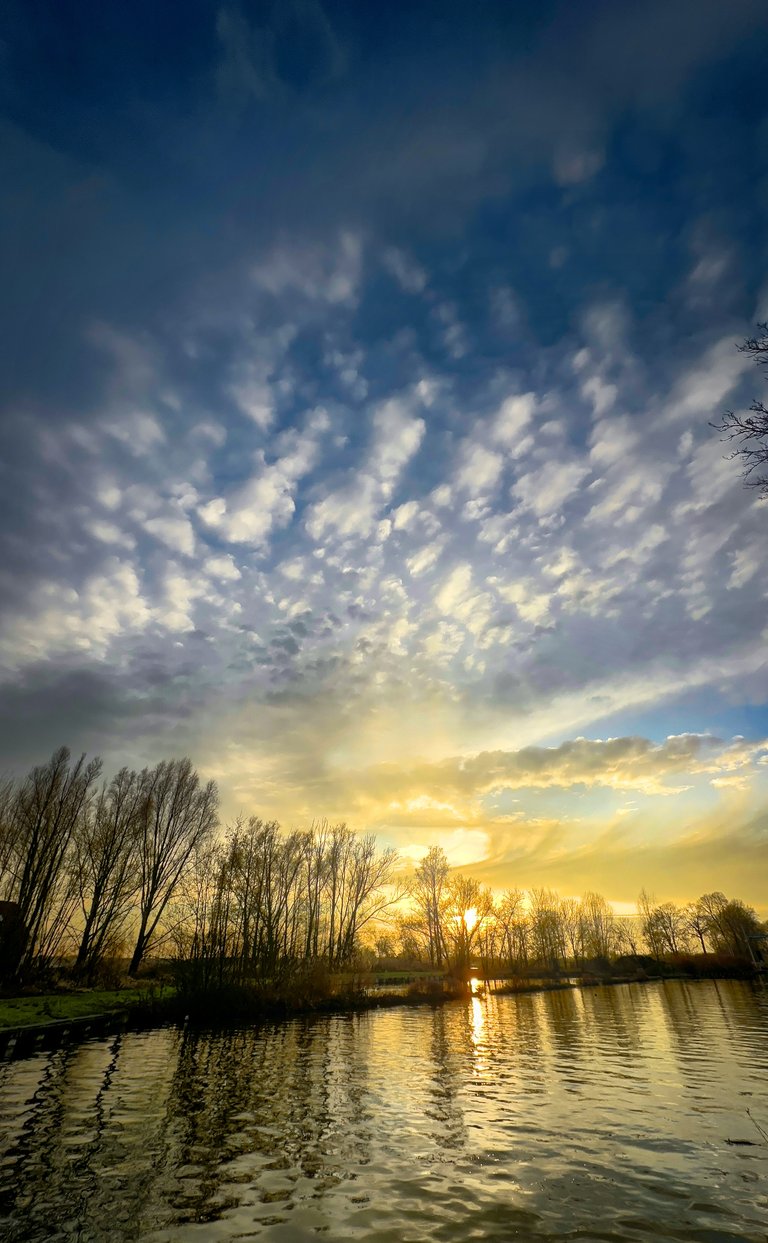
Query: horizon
x=359, y=368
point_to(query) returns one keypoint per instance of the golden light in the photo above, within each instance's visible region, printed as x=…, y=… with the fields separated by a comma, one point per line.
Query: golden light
x=470, y=918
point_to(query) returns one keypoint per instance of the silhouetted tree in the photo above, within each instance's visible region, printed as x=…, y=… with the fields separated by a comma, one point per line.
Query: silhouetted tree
x=728, y=923
x=468, y=909
x=361, y=890
x=599, y=922
x=42, y=815
x=698, y=923
x=514, y=929
x=627, y=929
x=429, y=895
x=547, y=928
x=106, y=858
x=179, y=815
x=749, y=432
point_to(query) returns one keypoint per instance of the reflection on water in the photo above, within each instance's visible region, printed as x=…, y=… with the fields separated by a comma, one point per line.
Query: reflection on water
x=594, y=1114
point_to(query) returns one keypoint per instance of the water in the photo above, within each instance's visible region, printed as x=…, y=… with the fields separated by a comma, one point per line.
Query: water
x=600, y=1114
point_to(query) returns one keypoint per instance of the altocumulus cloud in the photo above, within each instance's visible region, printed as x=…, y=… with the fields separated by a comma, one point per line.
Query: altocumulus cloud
x=369, y=459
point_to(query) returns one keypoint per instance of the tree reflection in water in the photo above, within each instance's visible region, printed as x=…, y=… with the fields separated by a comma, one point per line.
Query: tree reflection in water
x=529, y=1116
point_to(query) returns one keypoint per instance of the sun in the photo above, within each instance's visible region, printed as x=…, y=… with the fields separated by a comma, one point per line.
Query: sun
x=469, y=918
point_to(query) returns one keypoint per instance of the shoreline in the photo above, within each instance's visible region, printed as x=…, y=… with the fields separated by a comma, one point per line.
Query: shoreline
x=148, y=1011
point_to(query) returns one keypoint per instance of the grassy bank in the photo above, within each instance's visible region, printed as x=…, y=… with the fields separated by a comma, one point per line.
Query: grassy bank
x=36, y=1010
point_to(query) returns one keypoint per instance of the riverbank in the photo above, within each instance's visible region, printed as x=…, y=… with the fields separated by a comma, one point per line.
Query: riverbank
x=33, y=1010
x=40, y=1020
x=29, y=1022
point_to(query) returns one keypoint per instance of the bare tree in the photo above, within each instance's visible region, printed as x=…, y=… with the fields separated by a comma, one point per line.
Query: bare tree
x=666, y=929
x=367, y=891
x=698, y=922
x=42, y=816
x=600, y=937
x=429, y=896
x=106, y=864
x=468, y=909
x=179, y=815
x=547, y=928
x=574, y=923
x=513, y=929
x=627, y=934
x=7, y=833
x=728, y=923
x=749, y=432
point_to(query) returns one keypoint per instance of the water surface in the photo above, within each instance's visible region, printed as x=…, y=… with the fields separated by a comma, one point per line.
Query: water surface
x=599, y=1114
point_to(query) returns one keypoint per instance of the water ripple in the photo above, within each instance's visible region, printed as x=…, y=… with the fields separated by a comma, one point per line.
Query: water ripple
x=601, y=1114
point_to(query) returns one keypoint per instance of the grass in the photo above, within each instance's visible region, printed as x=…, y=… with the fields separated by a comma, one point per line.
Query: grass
x=48, y=1008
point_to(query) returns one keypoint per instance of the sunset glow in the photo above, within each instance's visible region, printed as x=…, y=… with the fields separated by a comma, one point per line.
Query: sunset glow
x=357, y=427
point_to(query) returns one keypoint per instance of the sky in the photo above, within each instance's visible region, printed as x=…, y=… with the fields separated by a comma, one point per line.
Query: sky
x=357, y=367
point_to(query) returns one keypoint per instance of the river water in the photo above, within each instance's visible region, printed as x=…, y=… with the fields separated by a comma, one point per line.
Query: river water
x=596, y=1114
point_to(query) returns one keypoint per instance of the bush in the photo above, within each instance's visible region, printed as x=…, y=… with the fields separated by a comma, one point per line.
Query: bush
x=108, y=974
x=596, y=967
x=641, y=965
x=714, y=966
x=437, y=990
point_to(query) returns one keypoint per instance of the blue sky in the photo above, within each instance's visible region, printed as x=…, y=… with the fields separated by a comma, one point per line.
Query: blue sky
x=357, y=371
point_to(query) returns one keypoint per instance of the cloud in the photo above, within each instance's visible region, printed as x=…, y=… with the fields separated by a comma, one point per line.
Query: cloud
x=572, y=166
x=701, y=390
x=359, y=415
x=352, y=510
x=109, y=604
x=266, y=501
x=628, y=763
x=222, y=567
x=176, y=532
x=479, y=471
x=321, y=274
x=138, y=431
x=512, y=418
x=409, y=275
x=547, y=489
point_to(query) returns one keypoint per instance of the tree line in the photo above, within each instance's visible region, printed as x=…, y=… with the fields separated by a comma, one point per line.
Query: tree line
x=88, y=865
x=454, y=921
x=94, y=870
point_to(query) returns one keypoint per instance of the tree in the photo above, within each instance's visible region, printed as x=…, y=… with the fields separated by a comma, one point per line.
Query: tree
x=749, y=432
x=468, y=908
x=513, y=929
x=669, y=928
x=429, y=897
x=179, y=816
x=105, y=846
x=599, y=921
x=698, y=922
x=547, y=928
x=729, y=924
x=42, y=817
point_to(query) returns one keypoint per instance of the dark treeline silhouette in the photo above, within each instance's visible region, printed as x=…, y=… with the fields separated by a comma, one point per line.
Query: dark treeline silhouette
x=270, y=908
x=455, y=923
x=88, y=866
x=96, y=872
